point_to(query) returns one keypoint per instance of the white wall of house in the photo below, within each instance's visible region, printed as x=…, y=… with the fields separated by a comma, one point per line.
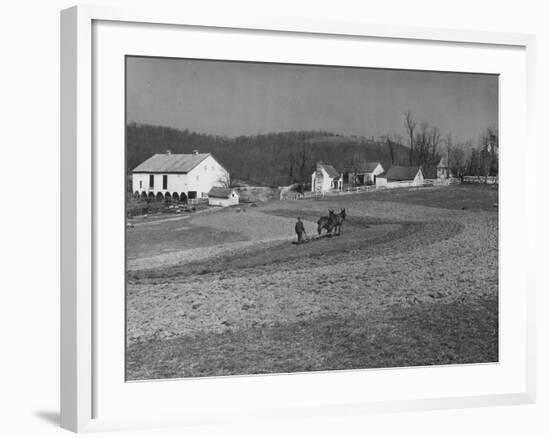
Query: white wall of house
x=176, y=183
x=322, y=182
x=418, y=179
x=370, y=175
x=443, y=172
x=207, y=174
x=140, y=182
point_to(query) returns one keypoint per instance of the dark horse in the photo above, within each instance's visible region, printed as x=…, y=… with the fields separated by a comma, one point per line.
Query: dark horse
x=339, y=221
x=332, y=222
x=326, y=222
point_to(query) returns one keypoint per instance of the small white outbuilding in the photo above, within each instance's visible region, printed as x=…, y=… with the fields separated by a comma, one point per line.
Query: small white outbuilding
x=363, y=173
x=222, y=197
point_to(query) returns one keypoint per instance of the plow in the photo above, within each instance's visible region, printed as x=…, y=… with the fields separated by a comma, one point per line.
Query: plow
x=313, y=238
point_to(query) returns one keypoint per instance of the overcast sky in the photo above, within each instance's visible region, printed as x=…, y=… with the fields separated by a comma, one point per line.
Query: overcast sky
x=234, y=98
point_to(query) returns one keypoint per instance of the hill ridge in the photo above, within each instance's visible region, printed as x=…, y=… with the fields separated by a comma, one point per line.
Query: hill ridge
x=274, y=159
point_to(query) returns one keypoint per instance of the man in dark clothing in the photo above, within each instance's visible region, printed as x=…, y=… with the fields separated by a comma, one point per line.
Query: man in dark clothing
x=300, y=230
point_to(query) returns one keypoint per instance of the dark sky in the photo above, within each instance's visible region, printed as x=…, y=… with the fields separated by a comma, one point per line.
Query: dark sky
x=234, y=98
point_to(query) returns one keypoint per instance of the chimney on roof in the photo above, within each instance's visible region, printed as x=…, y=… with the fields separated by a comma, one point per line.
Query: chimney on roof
x=168, y=152
x=195, y=152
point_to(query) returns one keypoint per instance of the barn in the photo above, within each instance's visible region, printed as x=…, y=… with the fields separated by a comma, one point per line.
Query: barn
x=178, y=176
x=326, y=178
x=410, y=175
x=222, y=197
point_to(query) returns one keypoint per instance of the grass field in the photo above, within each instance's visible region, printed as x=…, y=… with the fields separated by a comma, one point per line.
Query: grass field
x=413, y=280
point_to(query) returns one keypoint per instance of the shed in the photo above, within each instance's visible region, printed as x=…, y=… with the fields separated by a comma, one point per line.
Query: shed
x=411, y=174
x=363, y=173
x=223, y=197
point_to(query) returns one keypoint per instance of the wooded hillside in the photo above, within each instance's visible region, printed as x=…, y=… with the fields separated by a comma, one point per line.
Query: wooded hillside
x=267, y=159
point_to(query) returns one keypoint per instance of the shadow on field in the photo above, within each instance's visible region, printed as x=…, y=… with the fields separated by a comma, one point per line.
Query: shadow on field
x=426, y=334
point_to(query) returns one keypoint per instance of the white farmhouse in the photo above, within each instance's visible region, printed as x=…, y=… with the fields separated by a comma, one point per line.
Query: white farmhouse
x=178, y=176
x=222, y=197
x=326, y=178
x=363, y=173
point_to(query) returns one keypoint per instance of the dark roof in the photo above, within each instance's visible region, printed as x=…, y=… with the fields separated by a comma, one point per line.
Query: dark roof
x=429, y=172
x=401, y=173
x=220, y=192
x=364, y=166
x=170, y=163
x=332, y=172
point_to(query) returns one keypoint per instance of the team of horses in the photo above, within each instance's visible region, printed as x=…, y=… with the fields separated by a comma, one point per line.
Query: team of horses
x=333, y=223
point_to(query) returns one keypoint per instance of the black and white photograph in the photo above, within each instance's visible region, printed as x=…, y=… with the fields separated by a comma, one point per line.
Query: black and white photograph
x=288, y=218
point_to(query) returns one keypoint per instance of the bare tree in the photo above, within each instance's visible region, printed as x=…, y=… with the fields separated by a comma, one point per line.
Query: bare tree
x=422, y=140
x=391, y=141
x=391, y=150
x=457, y=159
x=225, y=180
x=448, y=147
x=410, y=126
x=474, y=162
x=489, y=147
x=303, y=163
x=434, y=140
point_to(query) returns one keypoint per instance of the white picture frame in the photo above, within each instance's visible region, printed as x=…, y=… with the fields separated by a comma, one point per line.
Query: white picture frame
x=79, y=202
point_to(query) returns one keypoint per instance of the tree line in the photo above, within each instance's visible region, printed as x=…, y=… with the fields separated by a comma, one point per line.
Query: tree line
x=284, y=158
x=274, y=159
x=427, y=146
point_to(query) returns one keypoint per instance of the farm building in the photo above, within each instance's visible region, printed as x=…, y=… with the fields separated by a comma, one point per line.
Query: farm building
x=178, y=176
x=404, y=174
x=223, y=197
x=443, y=170
x=326, y=178
x=363, y=173
x=381, y=180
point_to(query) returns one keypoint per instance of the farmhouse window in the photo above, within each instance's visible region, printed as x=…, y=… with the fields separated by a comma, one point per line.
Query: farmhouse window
x=140, y=184
x=151, y=180
x=164, y=182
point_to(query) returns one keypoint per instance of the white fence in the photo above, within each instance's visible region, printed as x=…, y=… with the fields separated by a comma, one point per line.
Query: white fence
x=441, y=181
x=401, y=184
x=481, y=179
x=348, y=190
x=196, y=201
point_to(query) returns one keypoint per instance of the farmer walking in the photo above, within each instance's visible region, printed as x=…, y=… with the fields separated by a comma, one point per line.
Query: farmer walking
x=300, y=230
